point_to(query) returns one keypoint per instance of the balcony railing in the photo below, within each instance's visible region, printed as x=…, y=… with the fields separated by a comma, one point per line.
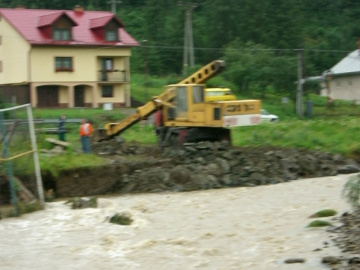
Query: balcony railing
x=113, y=76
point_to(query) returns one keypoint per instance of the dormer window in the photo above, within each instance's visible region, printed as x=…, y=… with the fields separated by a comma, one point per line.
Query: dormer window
x=61, y=34
x=111, y=35
x=62, y=29
x=106, y=28
x=57, y=26
x=111, y=31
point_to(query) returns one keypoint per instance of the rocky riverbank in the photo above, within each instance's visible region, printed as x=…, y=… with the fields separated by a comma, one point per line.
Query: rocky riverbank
x=207, y=165
x=347, y=237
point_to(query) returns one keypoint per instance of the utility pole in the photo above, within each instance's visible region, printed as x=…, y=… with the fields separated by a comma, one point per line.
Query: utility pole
x=299, y=97
x=188, y=58
x=146, y=69
x=113, y=5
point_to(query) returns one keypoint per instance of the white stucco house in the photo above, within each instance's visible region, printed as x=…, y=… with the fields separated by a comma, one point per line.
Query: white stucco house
x=64, y=58
x=342, y=81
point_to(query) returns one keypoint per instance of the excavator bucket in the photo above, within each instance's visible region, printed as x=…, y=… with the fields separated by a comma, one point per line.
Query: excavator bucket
x=99, y=135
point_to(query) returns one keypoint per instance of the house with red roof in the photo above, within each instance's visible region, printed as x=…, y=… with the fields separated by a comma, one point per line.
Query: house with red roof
x=65, y=58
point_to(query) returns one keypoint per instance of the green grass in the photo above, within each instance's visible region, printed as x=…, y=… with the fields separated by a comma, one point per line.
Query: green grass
x=324, y=213
x=57, y=163
x=72, y=156
x=319, y=223
x=144, y=88
x=331, y=134
x=336, y=136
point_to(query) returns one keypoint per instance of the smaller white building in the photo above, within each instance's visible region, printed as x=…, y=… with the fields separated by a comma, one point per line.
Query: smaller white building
x=342, y=81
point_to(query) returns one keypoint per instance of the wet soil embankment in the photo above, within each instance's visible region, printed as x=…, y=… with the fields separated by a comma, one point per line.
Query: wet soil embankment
x=135, y=168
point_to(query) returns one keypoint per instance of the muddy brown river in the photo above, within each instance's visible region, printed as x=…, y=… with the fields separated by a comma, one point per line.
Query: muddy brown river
x=250, y=228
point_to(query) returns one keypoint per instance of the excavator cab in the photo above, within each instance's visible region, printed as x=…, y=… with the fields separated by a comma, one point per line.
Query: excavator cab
x=189, y=119
x=185, y=101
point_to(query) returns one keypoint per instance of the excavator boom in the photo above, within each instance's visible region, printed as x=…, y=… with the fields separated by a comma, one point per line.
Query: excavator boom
x=199, y=77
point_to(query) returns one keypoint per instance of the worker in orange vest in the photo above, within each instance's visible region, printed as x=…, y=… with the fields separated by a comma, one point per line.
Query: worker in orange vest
x=86, y=130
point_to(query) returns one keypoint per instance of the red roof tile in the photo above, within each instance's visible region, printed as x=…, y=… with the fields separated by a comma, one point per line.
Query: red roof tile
x=48, y=19
x=101, y=22
x=28, y=21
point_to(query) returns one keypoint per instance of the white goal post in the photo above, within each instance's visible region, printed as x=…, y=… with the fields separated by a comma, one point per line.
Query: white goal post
x=19, y=148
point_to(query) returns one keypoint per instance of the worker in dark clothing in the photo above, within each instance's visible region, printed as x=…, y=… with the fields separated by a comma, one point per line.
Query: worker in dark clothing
x=61, y=126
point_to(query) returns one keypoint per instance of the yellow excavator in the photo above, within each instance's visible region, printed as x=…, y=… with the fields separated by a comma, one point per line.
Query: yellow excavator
x=182, y=115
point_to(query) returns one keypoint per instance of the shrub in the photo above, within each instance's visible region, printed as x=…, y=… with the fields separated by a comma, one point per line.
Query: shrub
x=121, y=219
x=29, y=207
x=319, y=223
x=324, y=213
x=351, y=191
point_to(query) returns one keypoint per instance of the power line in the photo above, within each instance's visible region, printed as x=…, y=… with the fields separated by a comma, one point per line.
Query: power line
x=243, y=49
x=170, y=47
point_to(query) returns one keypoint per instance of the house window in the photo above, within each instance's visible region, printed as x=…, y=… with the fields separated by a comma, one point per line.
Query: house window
x=0, y=40
x=349, y=83
x=338, y=83
x=111, y=31
x=107, y=64
x=107, y=91
x=61, y=34
x=63, y=64
x=111, y=35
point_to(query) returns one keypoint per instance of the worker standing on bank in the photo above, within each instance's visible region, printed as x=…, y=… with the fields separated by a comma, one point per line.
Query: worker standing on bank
x=86, y=130
x=61, y=126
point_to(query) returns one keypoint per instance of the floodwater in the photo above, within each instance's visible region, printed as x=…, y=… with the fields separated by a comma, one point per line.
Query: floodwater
x=250, y=228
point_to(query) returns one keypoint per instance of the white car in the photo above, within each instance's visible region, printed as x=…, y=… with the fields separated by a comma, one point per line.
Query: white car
x=267, y=117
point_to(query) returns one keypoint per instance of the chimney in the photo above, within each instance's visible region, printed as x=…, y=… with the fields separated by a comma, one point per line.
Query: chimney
x=78, y=9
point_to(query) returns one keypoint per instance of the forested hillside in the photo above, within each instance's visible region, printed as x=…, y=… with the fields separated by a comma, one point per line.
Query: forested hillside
x=258, y=39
